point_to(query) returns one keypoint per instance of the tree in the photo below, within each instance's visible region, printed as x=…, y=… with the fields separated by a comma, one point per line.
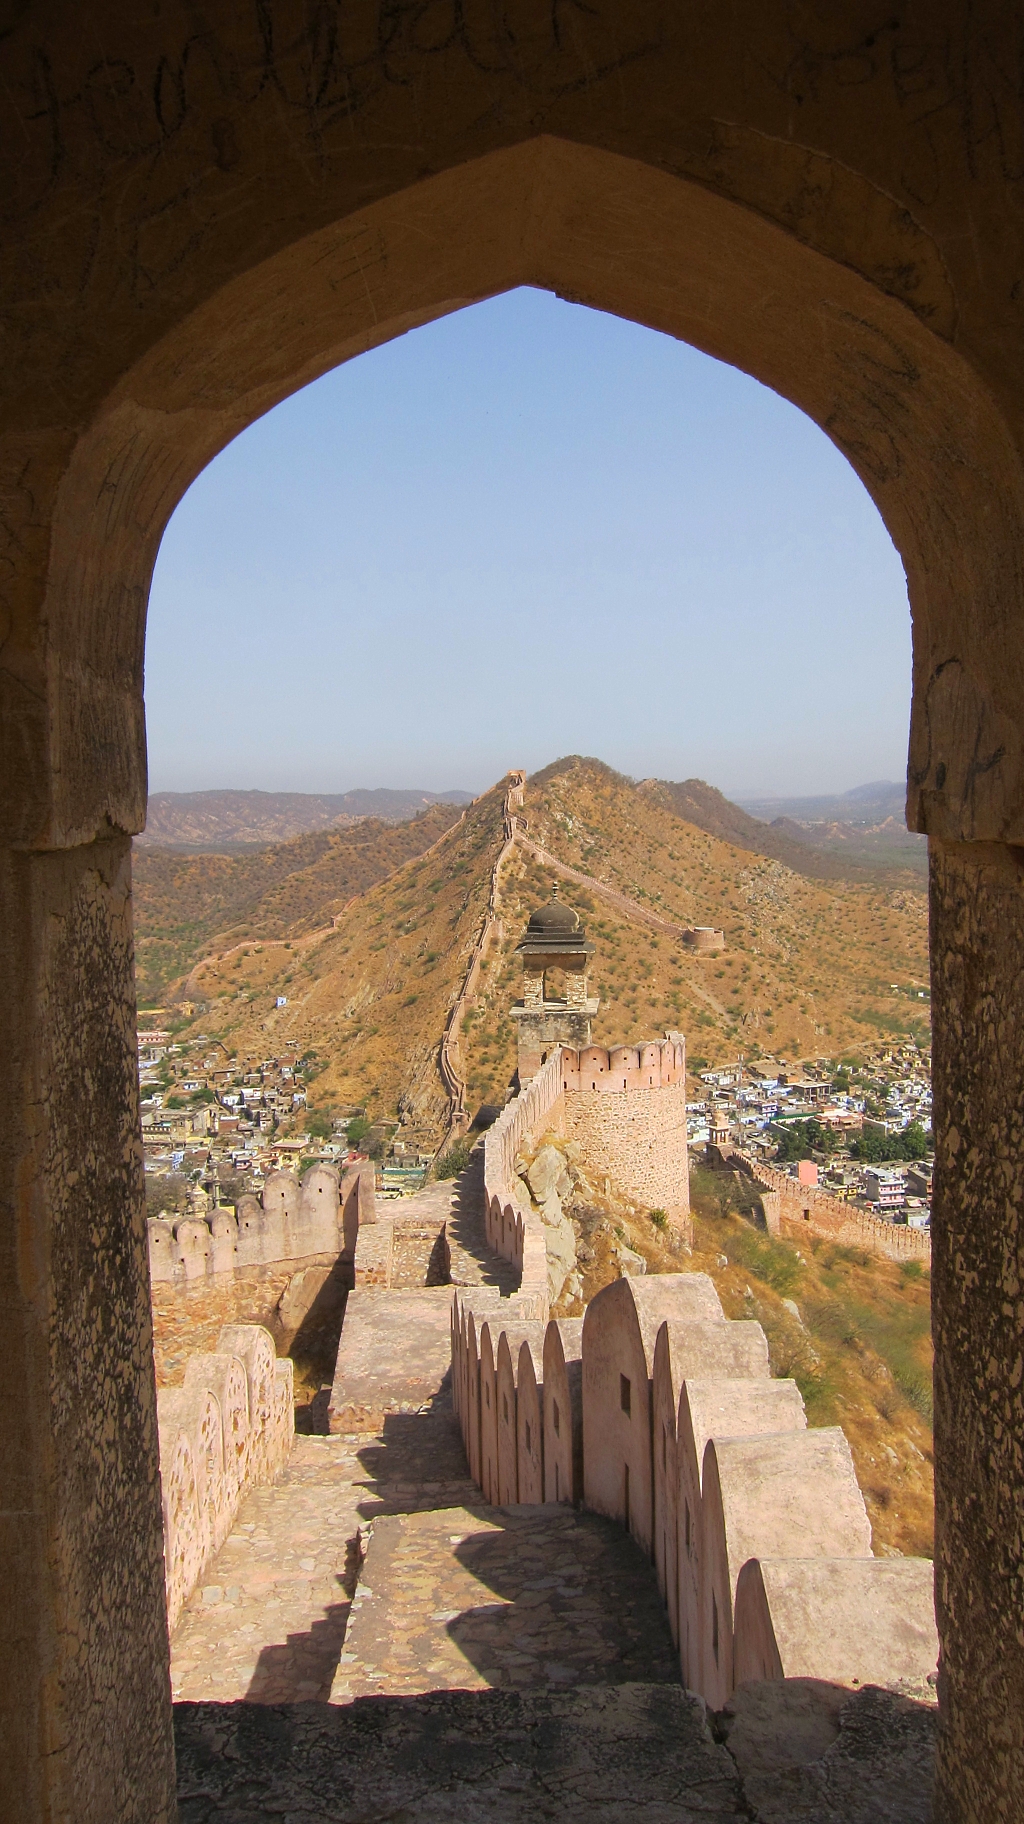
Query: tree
x=799, y=1139
x=915, y=1141
x=873, y=1147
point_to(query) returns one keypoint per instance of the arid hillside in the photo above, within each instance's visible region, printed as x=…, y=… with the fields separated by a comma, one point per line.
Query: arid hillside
x=881, y=850
x=370, y=996
x=812, y=967
x=185, y=903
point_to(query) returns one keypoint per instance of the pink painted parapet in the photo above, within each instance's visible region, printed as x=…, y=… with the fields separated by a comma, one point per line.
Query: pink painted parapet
x=317, y=1218
x=619, y=1333
x=530, y=1422
x=658, y=1064
x=515, y=1341
x=513, y=1230
x=790, y=1494
x=724, y=1407
x=846, y=1620
x=684, y=1349
x=228, y=1429
x=563, y=1410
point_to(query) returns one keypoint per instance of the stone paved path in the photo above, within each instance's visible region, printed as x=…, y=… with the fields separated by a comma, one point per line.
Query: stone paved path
x=452, y=1594
x=479, y=1665
x=625, y=1754
x=518, y=1597
x=269, y=1621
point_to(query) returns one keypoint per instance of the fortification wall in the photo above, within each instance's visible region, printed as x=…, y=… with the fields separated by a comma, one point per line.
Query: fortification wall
x=627, y=1110
x=793, y=1209
x=226, y=1429
x=762, y=1541
x=513, y=1230
x=319, y=1217
x=450, y=1055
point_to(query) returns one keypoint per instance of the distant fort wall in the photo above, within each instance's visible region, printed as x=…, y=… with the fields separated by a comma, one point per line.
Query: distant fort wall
x=793, y=1209
x=695, y=937
x=450, y=1054
x=319, y=1217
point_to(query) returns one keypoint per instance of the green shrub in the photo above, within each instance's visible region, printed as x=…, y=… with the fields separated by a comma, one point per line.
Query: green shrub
x=453, y=1160
x=659, y=1218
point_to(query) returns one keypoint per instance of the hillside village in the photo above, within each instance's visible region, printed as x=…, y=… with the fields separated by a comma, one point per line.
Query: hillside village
x=214, y=1123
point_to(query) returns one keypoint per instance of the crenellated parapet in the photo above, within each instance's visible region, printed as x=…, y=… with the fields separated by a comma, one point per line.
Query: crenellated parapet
x=791, y=1209
x=654, y=1065
x=513, y=1229
x=660, y=1413
x=322, y=1215
x=226, y=1429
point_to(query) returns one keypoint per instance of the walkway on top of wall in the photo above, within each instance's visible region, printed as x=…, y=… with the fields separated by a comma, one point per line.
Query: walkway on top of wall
x=373, y=1640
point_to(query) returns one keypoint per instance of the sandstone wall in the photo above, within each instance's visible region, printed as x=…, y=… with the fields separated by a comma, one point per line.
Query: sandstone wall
x=792, y=1209
x=627, y=1109
x=227, y=1429
x=321, y=1216
x=514, y=1230
x=756, y=1496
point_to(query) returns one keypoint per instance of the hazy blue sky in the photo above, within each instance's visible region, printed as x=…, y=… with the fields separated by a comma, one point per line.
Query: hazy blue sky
x=525, y=531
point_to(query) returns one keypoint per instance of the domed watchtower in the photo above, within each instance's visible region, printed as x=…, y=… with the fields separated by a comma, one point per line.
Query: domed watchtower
x=556, y=954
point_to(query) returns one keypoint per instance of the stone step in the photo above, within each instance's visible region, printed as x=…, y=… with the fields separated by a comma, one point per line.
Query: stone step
x=604, y=1754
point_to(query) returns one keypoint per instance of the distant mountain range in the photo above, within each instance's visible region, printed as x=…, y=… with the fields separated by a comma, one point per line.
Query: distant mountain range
x=872, y=803
x=227, y=820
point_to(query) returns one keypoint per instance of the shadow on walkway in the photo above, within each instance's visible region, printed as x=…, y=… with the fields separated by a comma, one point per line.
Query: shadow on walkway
x=302, y=1668
x=479, y=1265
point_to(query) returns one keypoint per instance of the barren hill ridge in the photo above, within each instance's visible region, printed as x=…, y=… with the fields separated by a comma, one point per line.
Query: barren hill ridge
x=812, y=966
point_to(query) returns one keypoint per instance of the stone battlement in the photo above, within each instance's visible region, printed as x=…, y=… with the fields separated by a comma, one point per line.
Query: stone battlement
x=791, y=1208
x=656, y=1065
x=626, y=1109
x=661, y=1414
x=322, y=1215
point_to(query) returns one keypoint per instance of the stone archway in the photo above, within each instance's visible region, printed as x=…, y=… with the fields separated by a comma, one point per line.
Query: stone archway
x=204, y=219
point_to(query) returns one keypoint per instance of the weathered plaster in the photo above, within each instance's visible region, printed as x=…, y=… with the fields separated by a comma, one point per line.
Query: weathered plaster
x=84, y=1666
x=977, y=901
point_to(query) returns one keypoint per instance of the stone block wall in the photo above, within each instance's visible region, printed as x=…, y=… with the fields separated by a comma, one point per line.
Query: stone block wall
x=227, y=1429
x=762, y=1542
x=792, y=1209
x=627, y=1110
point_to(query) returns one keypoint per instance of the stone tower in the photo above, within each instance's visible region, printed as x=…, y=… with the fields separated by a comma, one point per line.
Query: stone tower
x=554, y=940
